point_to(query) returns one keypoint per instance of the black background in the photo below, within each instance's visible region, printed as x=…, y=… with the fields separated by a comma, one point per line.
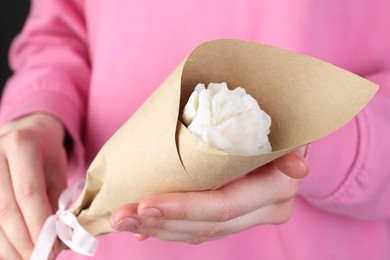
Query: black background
x=12, y=17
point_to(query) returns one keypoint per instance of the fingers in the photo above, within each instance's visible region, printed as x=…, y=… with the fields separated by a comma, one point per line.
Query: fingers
x=261, y=197
x=11, y=219
x=7, y=250
x=272, y=214
x=195, y=232
x=126, y=218
x=258, y=189
x=122, y=213
x=25, y=205
x=293, y=165
x=29, y=187
x=32, y=166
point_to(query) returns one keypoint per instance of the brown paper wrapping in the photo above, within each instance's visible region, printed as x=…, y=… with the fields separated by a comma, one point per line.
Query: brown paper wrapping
x=154, y=153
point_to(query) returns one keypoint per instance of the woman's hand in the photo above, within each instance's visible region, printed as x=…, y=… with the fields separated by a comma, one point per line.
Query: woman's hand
x=264, y=196
x=32, y=176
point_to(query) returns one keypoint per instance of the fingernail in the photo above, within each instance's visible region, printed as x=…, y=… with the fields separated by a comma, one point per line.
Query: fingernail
x=128, y=224
x=302, y=150
x=151, y=213
x=303, y=161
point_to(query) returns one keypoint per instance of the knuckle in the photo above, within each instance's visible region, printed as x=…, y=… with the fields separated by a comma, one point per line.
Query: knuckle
x=227, y=212
x=19, y=140
x=5, y=209
x=159, y=225
x=151, y=228
x=211, y=232
x=26, y=191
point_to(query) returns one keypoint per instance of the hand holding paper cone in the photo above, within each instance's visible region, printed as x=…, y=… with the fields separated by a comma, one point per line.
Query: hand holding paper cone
x=153, y=152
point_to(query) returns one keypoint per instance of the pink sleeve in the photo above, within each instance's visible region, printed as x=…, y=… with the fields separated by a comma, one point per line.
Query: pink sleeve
x=51, y=68
x=350, y=169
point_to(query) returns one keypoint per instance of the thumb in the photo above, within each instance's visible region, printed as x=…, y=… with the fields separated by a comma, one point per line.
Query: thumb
x=293, y=164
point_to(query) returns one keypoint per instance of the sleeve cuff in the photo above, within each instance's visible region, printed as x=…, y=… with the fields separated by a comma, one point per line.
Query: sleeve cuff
x=53, y=103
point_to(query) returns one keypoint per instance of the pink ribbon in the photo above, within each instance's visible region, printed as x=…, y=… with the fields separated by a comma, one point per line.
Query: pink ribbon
x=65, y=226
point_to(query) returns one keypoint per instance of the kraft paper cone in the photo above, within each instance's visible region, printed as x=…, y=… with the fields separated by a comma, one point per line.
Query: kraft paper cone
x=153, y=152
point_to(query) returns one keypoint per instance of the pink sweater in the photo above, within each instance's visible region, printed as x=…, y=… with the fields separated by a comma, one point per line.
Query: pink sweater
x=93, y=62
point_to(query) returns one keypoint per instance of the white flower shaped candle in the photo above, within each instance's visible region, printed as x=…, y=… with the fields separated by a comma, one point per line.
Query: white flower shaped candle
x=229, y=120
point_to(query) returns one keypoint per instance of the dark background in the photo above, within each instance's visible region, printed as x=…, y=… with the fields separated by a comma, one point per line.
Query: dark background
x=12, y=16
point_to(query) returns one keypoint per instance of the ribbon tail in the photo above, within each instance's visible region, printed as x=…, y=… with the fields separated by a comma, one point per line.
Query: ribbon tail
x=46, y=239
x=64, y=225
x=75, y=236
